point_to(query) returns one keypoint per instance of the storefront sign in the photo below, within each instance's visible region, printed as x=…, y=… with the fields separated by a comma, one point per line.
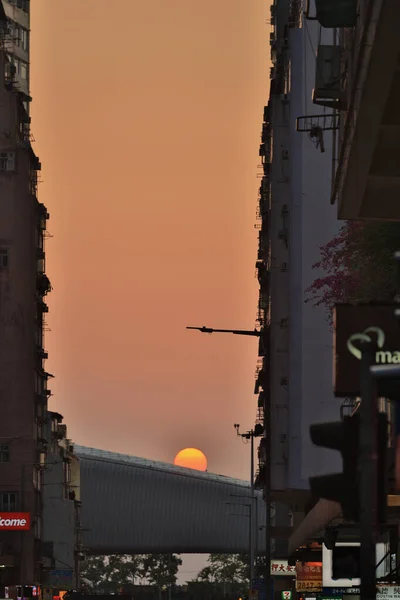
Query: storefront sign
x=309, y=577
x=388, y=592
x=332, y=593
x=362, y=323
x=282, y=567
x=15, y=521
x=287, y=595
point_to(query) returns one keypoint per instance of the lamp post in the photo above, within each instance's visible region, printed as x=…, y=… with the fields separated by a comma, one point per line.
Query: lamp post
x=267, y=434
x=250, y=435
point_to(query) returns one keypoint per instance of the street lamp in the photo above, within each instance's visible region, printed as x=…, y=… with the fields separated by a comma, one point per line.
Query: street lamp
x=251, y=332
x=260, y=334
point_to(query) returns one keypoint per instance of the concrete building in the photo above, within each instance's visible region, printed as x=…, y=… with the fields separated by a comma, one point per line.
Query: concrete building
x=363, y=79
x=294, y=381
x=23, y=287
x=61, y=509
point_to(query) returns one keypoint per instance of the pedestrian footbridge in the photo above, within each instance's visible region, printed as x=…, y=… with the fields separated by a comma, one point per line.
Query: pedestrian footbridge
x=133, y=505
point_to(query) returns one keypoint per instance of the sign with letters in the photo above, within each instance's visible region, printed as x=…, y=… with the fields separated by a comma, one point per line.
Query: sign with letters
x=355, y=323
x=308, y=577
x=282, y=567
x=388, y=592
x=13, y=521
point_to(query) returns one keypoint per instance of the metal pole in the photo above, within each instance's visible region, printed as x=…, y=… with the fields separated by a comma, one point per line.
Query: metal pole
x=22, y=559
x=252, y=509
x=256, y=534
x=267, y=494
x=368, y=475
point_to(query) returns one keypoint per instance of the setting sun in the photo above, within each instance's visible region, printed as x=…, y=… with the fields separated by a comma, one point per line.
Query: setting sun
x=191, y=458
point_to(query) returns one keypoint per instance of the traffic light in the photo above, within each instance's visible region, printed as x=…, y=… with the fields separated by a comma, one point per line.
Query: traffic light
x=344, y=487
x=339, y=487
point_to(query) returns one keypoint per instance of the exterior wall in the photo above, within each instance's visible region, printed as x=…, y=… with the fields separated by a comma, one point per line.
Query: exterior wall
x=18, y=216
x=59, y=510
x=297, y=378
x=23, y=284
x=279, y=261
x=312, y=224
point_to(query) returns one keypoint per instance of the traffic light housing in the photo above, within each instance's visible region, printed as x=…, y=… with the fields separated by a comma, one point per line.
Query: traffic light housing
x=344, y=487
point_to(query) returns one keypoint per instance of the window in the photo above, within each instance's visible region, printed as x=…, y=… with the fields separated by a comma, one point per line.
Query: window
x=22, y=4
x=8, y=501
x=4, y=262
x=21, y=37
x=4, y=453
x=37, y=478
x=23, y=70
x=7, y=161
x=15, y=62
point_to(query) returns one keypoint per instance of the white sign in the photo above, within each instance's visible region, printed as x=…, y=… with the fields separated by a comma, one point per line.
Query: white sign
x=388, y=592
x=282, y=567
x=382, y=356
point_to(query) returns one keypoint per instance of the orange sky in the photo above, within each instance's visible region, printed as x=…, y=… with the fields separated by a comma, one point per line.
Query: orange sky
x=147, y=116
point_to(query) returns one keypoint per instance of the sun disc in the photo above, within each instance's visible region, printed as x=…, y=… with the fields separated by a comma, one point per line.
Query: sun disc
x=191, y=458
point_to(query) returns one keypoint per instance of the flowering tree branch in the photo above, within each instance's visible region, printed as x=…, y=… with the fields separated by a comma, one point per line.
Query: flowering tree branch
x=357, y=265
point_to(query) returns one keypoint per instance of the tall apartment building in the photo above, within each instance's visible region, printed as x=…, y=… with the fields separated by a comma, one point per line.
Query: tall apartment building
x=23, y=287
x=294, y=378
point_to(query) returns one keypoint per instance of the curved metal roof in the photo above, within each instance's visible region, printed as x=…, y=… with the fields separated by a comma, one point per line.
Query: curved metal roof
x=134, y=505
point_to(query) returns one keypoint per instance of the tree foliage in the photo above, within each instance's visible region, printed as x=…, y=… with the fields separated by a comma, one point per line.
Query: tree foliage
x=111, y=573
x=225, y=568
x=161, y=569
x=357, y=265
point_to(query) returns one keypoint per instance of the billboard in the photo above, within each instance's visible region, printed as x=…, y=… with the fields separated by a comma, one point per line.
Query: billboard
x=355, y=323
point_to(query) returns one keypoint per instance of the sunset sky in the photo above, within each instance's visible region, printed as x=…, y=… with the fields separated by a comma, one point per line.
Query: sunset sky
x=147, y=117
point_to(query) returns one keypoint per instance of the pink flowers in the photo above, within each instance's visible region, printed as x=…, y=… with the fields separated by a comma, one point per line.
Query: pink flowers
x=357, y=265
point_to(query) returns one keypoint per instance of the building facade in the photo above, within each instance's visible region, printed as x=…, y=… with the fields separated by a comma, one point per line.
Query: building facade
x=294, y=381
x=61, y=509
x=39, y=474
x=23, y=286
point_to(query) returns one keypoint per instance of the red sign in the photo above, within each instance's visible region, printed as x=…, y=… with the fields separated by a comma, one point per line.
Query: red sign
x=11, y=521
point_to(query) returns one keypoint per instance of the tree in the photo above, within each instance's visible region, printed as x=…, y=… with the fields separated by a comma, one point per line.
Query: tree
x=109, y=573
x=161, y=570
x=225, y=568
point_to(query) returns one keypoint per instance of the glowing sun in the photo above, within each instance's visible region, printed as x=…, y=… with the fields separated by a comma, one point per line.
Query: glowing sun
x=191, y=458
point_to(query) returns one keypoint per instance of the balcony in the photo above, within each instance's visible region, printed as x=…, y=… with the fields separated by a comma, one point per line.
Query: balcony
x=43, y=284
x=41, y=353
x=367, y=182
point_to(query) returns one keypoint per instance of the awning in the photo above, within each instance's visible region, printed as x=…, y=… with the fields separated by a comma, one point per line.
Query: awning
x=317, y=519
